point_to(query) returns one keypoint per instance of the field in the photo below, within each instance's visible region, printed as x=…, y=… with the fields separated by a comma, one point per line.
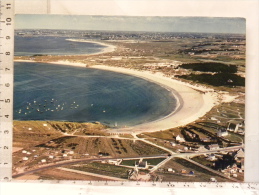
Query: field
x=103, y=169
x=57, y=174
x=178, y=165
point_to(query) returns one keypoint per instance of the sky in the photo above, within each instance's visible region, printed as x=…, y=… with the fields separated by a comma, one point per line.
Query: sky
x=131, y=23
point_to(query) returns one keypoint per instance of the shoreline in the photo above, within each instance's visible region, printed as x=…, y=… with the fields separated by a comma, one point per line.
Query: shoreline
x=192, y=102
x=108, y=47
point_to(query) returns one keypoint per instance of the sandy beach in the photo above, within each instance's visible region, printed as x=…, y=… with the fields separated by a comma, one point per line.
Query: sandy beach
x=193, y=102
x=108, y=48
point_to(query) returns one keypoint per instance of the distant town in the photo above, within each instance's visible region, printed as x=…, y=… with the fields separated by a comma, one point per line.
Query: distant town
x=209, y=148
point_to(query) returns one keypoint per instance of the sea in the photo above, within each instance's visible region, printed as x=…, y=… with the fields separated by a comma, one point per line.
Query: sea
x=77, y=94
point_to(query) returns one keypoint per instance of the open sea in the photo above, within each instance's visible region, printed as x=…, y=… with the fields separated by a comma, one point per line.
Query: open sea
x=65, y=93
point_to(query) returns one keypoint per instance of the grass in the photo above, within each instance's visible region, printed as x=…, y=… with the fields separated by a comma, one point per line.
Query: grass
x=202, y=160
x=103, y=169
x=129, y=162
x=30, y=133
x=200, y=174
x=219, y=79
x=166, y=135
x=210, y=67
x=154, y=161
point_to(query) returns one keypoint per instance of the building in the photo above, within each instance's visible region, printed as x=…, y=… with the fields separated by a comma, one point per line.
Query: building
x=25, y=158
x=211, y=157
x=142, y=164
x=43, y=160
x=115, y=162
x=179, y=139
x=240, y=153
x=233, y=127
x=213, y=147
x=222, y=132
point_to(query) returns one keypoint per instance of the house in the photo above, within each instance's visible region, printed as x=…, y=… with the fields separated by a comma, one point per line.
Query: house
x=240, y=153
x=233, y=127
x=201, y=149
x=142, y=164
x=222, y=132
x=183, y=171
x=212, y=179
x=25, y=158
x=179, y=139
x=211, y=157
x=115, y=162
x=213, y=147
x=43, y=160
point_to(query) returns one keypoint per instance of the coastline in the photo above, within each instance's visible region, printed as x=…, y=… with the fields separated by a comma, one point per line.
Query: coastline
x=192, y=102
x=108, y=48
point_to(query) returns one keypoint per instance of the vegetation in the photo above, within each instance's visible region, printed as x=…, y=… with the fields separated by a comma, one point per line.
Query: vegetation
x=219, y=79
x=210, y=67
x=104, y=169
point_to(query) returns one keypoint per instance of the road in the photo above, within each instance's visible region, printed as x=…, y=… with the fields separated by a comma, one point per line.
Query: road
x=186, y=156
x=70, y=162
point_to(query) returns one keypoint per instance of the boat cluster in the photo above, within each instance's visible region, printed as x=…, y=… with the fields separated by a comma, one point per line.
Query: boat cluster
x=51, y=105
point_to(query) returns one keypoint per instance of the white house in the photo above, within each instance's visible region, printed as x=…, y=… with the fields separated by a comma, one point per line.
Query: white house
x=115, y=162
x=25, y=158
x=179, y=139
x=213, y=147
x=43, y=160
x=233, y=127
x=170, y=170
x=222, y=132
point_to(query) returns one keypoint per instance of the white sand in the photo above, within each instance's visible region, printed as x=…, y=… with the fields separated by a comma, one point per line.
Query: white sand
x=108, y=48
x=193, y=102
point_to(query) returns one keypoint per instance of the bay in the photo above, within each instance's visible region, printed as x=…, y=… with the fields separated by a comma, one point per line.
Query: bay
x=63, y=93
